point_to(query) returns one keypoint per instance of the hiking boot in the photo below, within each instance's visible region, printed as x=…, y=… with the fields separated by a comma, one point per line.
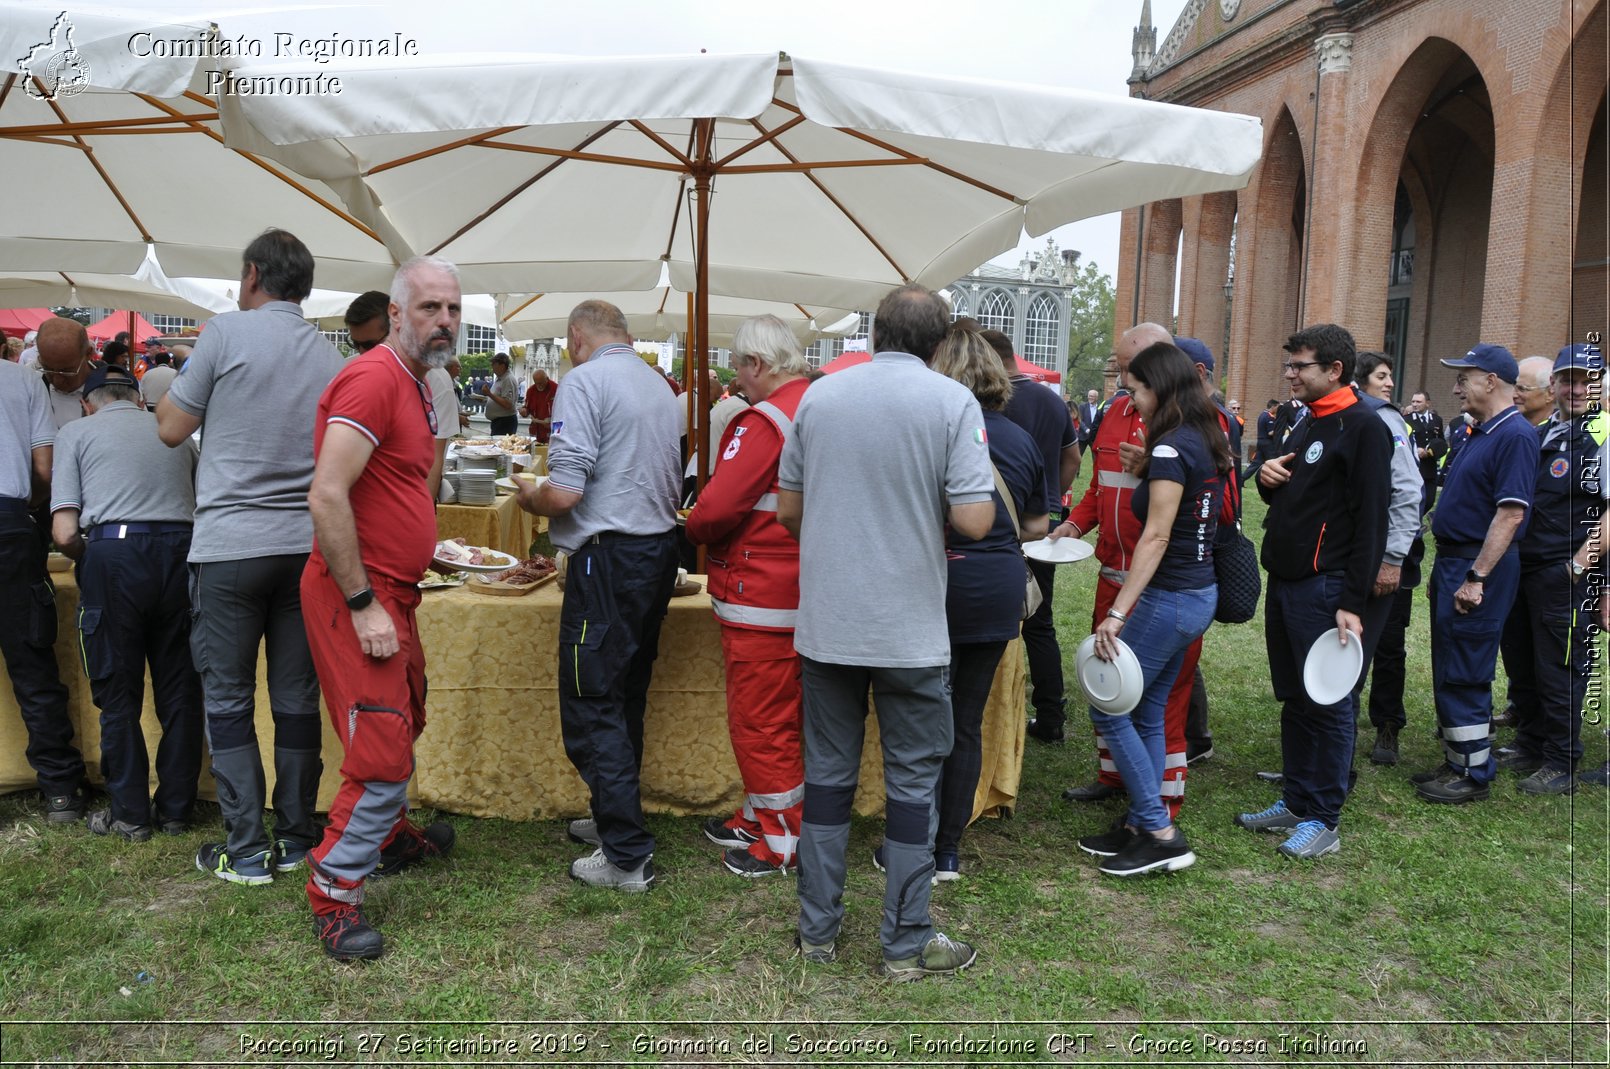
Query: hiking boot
x=1109, y=843
x=1091, y=792
x=1516, y=760
x=1452, y=788
x=251, y=869
x=347, y=936
x=718, y=831
x=178, y=826
x=585, y=832
x=941, y=955
x=288, y=853
x=1385, y=751
x=743, y=863
x=1548, y=781
x=65, y=808
x=1147, y=853
x=411, y=846
x=597, y=870
x=1505, y=718
x=1276, y=818
x=1039, y=730
x=1597, y=777
x=947, y=866
x=816, y=953
x=1311, y=839
x=101, y=823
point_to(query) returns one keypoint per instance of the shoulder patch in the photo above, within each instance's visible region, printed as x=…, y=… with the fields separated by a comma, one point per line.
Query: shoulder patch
x=557, y=426
x=1315, y=451
x=1167, y=452
x=980, y=436
x=732, y=448
x=1560, y=468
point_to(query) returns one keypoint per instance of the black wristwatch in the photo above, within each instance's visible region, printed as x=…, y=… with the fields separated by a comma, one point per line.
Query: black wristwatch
x=1471, y=576
x=361, y=599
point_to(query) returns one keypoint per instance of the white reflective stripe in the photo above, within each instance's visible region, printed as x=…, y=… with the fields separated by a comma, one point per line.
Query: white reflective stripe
x=767, y=503
x=749, y=814
x=1172, y=788
x=783, y=845
x=753, y=614
x=1101, y=743
x=1467, y=760
x=781, y=800
x=784, y=424
x=1108, y=766
x=1174, y=760
x=1121, y=480
x=1471, y=733
x=327, y=887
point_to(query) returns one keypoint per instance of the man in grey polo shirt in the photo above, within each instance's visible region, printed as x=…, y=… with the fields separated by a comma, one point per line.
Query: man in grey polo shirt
x=254, y=382
x=614, y=476
x=881, y=457
x=134, y=500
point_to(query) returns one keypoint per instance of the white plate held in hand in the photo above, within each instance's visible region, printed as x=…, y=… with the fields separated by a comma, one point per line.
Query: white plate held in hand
x=1060, y=551
x=1332, y=669
x=1115, y=686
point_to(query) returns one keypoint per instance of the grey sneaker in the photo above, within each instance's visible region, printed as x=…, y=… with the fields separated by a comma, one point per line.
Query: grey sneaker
x=1311, y=839
x=1548, y=781
x=585, y=832
x=1276, y=818
x=816, y=953
x=942, y=955
x=597, y=870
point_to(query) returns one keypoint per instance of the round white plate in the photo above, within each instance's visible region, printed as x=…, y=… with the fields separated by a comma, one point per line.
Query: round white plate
x=1061, y=551
x=1113, y=686
x=495, y=562
x=1331, y=668
x=508, y=484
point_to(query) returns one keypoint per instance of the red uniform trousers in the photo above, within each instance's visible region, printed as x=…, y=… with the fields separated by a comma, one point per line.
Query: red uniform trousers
x=377, y=708
x=1175, y=712
x=764, y=718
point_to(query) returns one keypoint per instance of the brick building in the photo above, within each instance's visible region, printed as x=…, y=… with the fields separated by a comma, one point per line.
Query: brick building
x=1434, y=174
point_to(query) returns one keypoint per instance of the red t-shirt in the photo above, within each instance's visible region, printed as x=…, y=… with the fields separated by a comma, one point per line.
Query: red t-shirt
x=539, y=402
x=378, y=396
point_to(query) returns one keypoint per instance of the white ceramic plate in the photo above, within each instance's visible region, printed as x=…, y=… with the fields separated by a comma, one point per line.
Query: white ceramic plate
x=496, y=562
x=508, y=484
x=438, y=581
x=1331, y=668
x=1061, y=551
x=1114, y=686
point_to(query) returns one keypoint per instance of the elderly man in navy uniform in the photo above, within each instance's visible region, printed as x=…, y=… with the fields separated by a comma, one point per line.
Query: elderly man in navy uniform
x=1478, y=525
x=1548, y=640
x=135, y=500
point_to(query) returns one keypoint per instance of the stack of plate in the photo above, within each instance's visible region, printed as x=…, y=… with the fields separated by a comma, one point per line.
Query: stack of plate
x=477, y=486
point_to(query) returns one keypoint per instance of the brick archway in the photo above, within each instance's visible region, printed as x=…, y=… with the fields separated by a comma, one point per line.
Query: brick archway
x=1269, y=247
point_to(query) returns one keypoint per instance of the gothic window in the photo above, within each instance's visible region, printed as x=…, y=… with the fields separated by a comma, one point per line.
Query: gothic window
x=958, y=301
x=995, y=312
x=1040, y=332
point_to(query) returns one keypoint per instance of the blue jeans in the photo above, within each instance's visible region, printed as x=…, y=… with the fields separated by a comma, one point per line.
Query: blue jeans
x=1316, y=741
x=1160, y=626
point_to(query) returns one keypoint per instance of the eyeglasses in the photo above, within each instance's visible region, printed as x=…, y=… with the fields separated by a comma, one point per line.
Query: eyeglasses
x=1530, y=389
x=365, y=346
x=430, y=409
x=68, y=373
x=1291, y=366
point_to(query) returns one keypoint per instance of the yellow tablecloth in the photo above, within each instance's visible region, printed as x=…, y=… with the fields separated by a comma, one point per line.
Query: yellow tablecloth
x=502, y=525
x=492, y=745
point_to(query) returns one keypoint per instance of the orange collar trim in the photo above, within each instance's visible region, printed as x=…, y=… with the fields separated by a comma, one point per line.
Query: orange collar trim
x=1333, y=402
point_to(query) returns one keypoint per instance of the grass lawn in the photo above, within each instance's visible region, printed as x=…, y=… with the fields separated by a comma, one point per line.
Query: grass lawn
x=1471, y=935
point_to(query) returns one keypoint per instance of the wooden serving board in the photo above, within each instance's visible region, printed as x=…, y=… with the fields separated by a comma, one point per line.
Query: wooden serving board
x=506, y=590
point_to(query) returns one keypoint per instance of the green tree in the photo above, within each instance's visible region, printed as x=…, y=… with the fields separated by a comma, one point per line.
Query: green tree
x=1089, y=329
x=80, y=314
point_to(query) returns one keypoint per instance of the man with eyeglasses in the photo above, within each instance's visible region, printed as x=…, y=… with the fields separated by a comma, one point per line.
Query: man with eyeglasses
x=1324, y=540
x=374, y=527
x=66, y=358
x=1480, y=521
x=253, y=382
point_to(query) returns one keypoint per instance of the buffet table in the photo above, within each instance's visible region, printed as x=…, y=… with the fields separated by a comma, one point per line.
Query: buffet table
x=492, y=746
x=502, y=525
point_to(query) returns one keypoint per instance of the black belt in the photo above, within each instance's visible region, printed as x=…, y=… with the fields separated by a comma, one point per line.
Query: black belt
x=123, y=530
x=615, y=536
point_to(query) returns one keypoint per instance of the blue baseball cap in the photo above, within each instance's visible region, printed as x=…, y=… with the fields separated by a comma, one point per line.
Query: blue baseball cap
x=108, y=375
x=1580, y=355
x=1494, y=359
x=1198, y=352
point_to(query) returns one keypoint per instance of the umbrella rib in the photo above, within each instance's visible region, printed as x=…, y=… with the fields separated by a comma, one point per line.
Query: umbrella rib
x=819, y=165
x=89, y=154
x=912, y=157
x=831, y=199
x=113, y=126
x=676, y=217
x=527, y=303
x=670, y=149
x=299, y=187
x=522, y=187
x=439, y=149
x=587, y=157
x=5, y=90
x=759, y=141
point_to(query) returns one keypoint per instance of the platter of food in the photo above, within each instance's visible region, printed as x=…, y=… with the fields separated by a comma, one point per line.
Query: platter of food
x=454, y=555
x=523, y=578
x=438, y=581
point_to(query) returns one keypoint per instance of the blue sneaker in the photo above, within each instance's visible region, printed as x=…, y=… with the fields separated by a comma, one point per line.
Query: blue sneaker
x=288, y=854
x=1276, y=818
x=251, y=869
x=1311, y=839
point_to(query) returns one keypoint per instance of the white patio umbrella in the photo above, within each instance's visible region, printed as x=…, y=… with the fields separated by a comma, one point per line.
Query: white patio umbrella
x=797, y=180
x=41, y=289
x=658, y=313
x=113, y=153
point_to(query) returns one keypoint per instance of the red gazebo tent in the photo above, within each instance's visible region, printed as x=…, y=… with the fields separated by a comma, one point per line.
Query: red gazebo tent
x=17, y=322
x=117, y=322
x=1034, y=371
x=846, y=359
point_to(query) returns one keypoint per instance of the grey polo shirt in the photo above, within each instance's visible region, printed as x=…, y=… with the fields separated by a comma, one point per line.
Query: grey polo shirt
x=444, y=399
x=25, y=425
x=881, y=451
x=615, y=442
x=255, y=378
x=64, y=407
x=113, y=468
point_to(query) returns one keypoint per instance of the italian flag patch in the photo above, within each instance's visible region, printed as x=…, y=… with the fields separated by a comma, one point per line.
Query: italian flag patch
x=980, y=437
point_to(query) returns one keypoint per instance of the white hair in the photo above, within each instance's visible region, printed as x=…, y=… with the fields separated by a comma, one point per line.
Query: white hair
x=401, y=283
x=768, y=340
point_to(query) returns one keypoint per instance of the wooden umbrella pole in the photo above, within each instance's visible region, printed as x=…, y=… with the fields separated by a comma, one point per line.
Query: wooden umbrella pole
x=703, y=167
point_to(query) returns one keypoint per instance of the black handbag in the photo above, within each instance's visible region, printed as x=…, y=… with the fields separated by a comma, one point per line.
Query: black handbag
x=1235, y=566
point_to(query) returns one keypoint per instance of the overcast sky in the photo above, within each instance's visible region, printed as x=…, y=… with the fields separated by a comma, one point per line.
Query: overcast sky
x=1079, y=43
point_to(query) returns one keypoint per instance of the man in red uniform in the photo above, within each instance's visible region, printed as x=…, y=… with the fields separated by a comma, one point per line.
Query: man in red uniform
x=1105, y=505
x=754, y=590
x=374, y=528
x=538, y=405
